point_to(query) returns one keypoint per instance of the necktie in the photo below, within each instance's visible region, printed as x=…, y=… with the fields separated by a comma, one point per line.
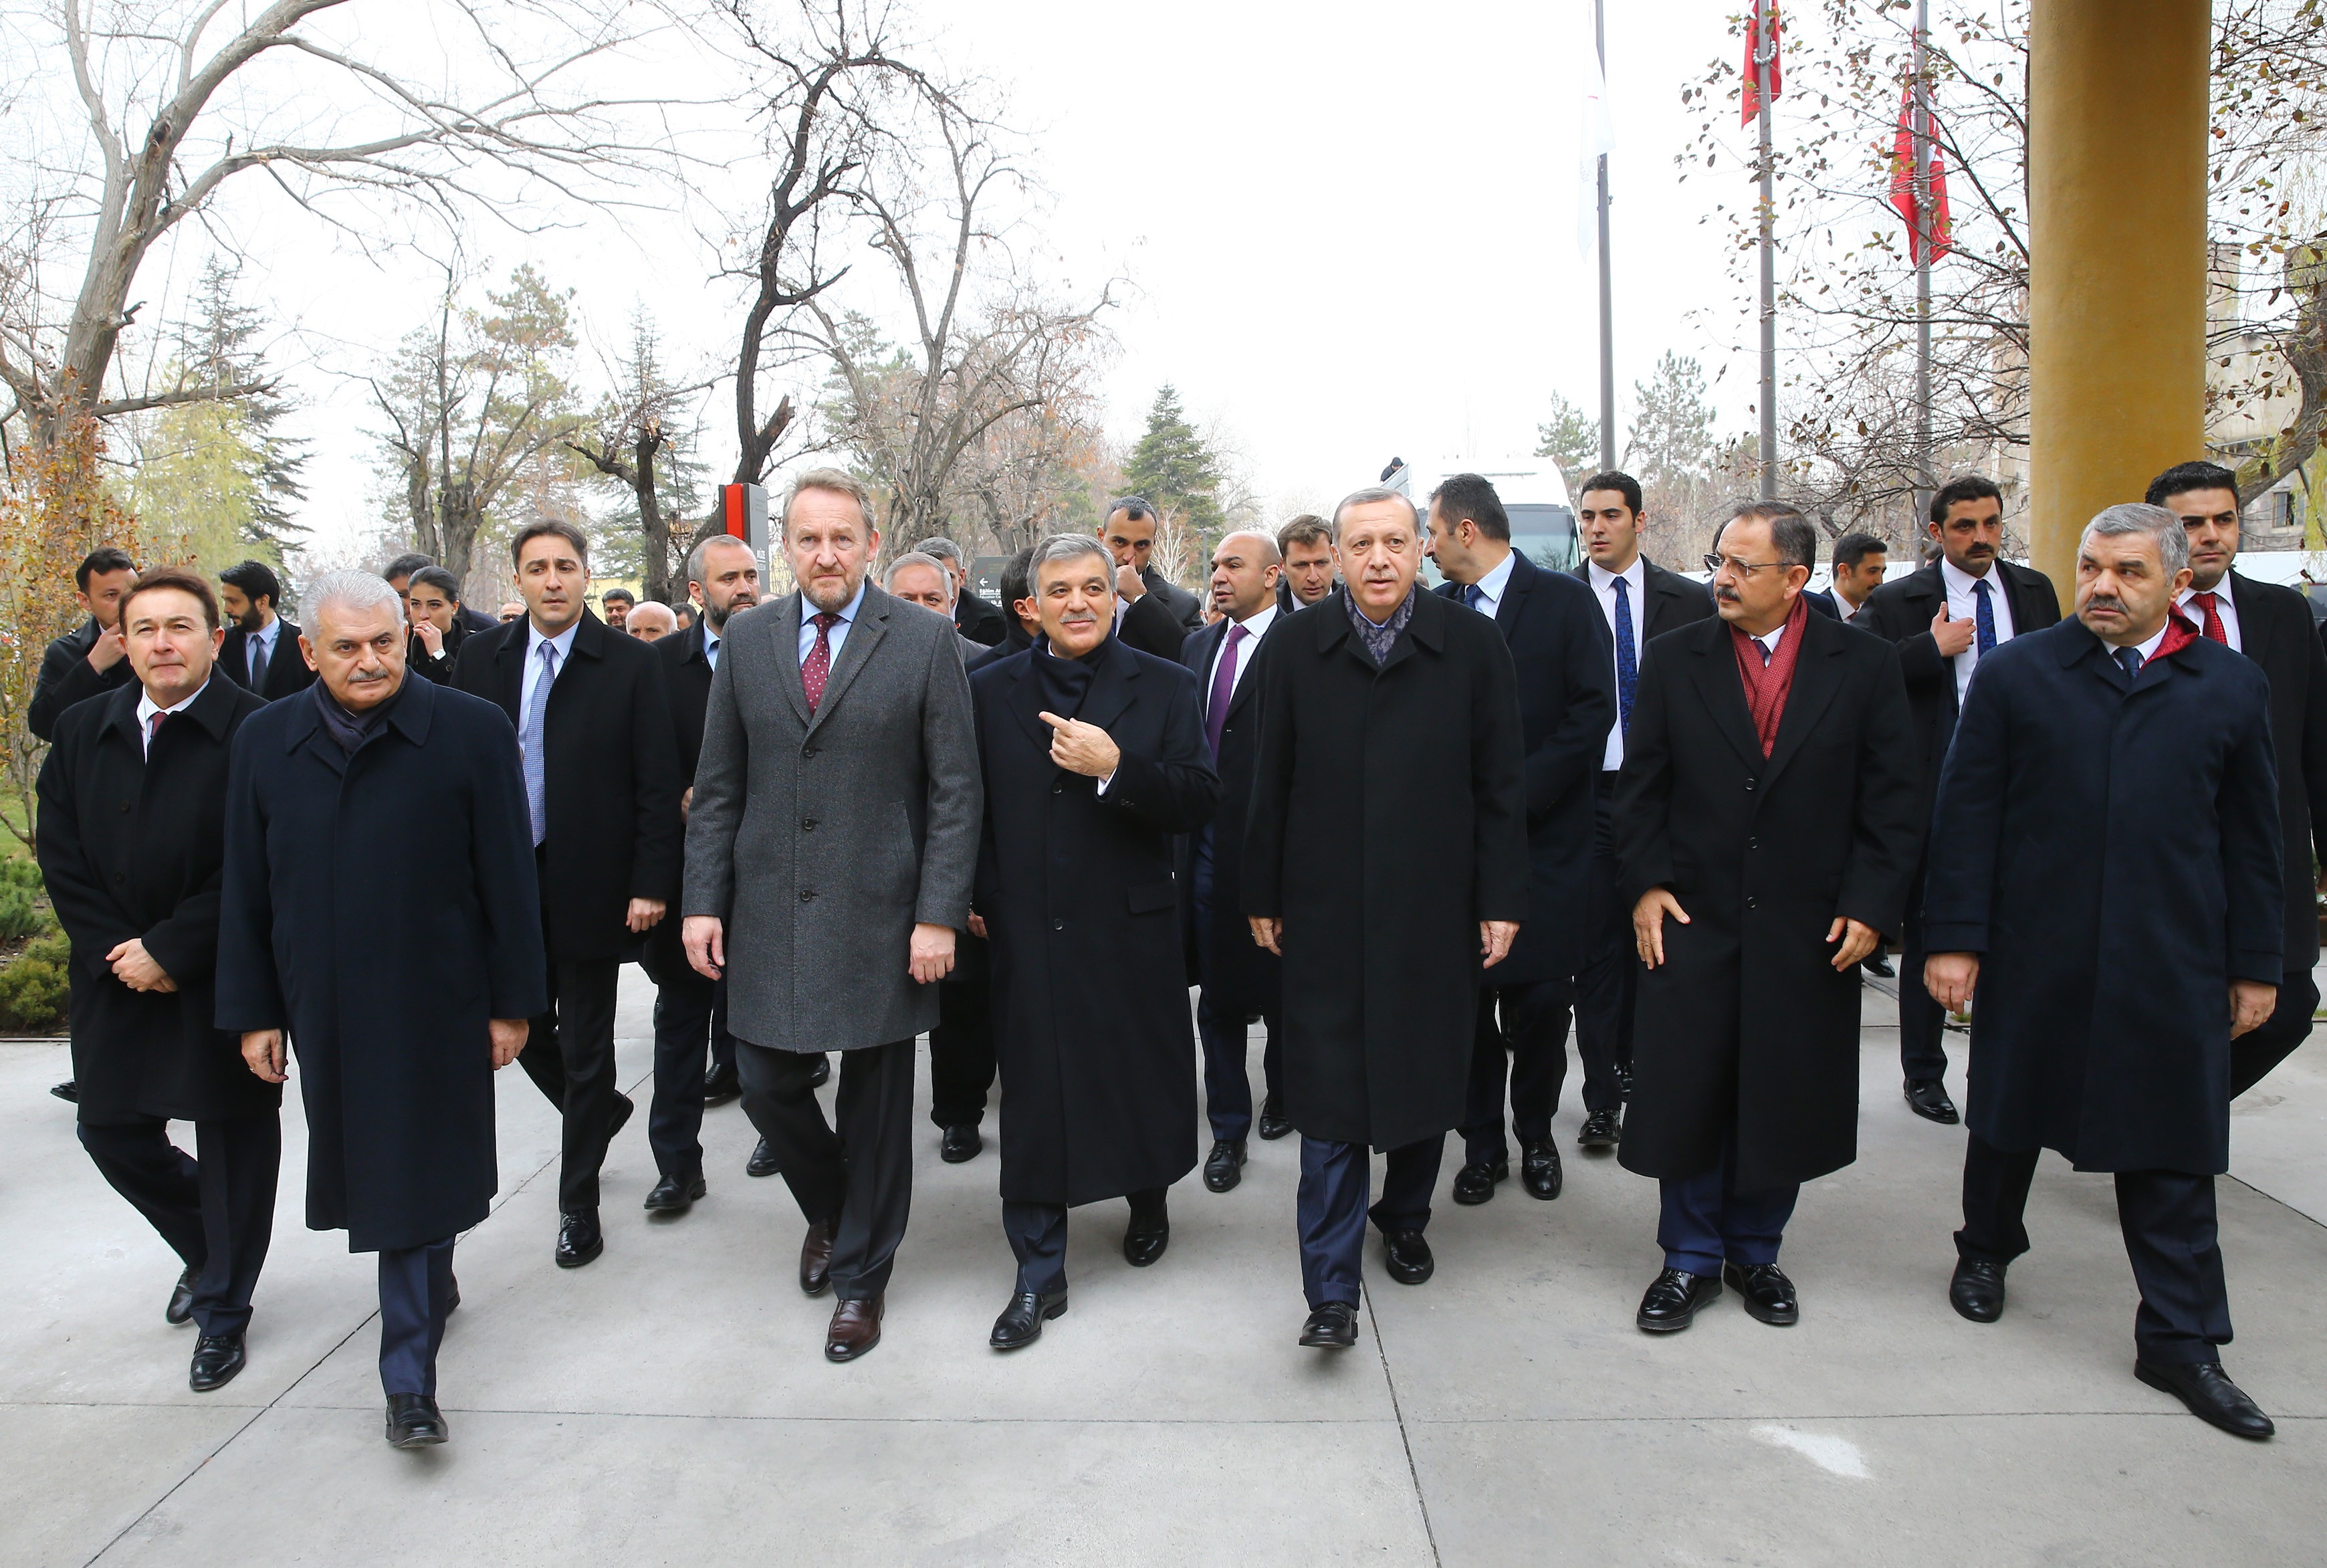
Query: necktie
x=1983, y=618
x=529, y=739
x=1474, y=596
x=258, y=663
x=2131, y=658
x=2213, y=626
x=154, y=732
x=1768, y=652
x=818, y=665
x=1216, y=711
x=1628, y=664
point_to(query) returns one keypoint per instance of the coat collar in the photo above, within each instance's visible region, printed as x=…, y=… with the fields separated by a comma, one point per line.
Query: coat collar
x=1115, y=676
x=1427, y=627
x=212, y=708
x=1818, y=678
x=412, y=716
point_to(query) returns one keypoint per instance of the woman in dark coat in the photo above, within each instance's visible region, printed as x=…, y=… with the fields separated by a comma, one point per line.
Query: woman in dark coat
x=433, y=602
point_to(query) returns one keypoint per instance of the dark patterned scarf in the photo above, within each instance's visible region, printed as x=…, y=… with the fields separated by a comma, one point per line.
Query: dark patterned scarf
x=1381, y=639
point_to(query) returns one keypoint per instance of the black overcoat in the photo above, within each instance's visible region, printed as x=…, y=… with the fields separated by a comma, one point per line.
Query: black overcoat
x=2274, y=628
x=65, y=679
x=1241, y=978
x=1747, y=1020
x=1388, y=817
x=135, y=846
x=612, y=779
x=287, y=671
x=1565, y=658
x=686, y=684
x=979, y=621
x=1092, y=1032
x=381, y=908
x=2113, y=854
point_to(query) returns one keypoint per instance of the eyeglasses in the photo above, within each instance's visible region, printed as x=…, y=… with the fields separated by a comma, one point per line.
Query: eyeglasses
x=1717, y=564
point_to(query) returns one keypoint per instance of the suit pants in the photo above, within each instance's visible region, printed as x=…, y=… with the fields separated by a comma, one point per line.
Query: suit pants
x=1533, y=1033
x=415, y=1299
x=1922, y=1021
x=569, y=1055
x=687, y=1008
x=2254, y=1054
x=961, y=1052
x=216, y=1211
x=1228, y=1082
x=1332, y=1213
x=858, y=1176
x=2170, y=1235
x=1038, y=1236
x=1606, y=985
x=1704, y=1221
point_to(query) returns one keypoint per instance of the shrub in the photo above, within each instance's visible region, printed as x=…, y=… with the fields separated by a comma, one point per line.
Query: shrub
x=33, y=988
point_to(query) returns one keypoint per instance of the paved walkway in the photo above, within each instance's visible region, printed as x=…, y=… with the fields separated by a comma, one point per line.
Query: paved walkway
x=668, y=1403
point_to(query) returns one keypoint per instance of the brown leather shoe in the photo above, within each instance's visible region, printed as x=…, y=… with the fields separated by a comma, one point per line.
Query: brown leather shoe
x=856, y=1328
x=816, y=1257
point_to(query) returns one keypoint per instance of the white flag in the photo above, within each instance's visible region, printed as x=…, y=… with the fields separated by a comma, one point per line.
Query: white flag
x=1595, y=136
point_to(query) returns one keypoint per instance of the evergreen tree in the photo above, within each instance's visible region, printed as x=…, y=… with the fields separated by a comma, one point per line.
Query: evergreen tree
x=1570, y=438
x=1174, y=469
x=217, y=350
x=1671, y=438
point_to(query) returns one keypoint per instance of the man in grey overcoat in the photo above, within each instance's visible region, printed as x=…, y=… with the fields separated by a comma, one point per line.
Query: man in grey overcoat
x=829, y=856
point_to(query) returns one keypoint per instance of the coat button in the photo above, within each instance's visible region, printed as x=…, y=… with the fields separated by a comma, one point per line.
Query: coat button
x=1055, y=925
x=1058, y=786
x=1750, y=903
x=807, y=751
x=807, y=895
x=807, y=824
x=1752, y=844
x=1749, y=786
x=125, y=806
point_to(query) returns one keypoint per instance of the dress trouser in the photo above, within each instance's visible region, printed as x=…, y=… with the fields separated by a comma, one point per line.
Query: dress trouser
x=1704, y=1221
x=1604, y=985
x=216, y=1212
x=860, y=1175
x=1228, y=1082
x=569, y=1055
x=1533, y=1034
x=1922, y=1021
x=1332, y=1213
x=416, y=1298
x=961, y=1052
x=1038, y=1236
x=687, y=1008
x=2170, y=1235
x=2254, y=1054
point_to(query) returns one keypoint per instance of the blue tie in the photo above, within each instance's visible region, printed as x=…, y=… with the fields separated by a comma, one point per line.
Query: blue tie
x=257, y=662
x=1628, y=665
x=2131, y=658
x=1474, y=596
x=529, y=737
x=1983, y=618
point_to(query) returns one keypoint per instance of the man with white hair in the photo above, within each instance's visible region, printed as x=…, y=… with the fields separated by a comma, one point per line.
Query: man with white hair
x=2112, y=896
x=976, y=618
x=923, y=580
x=403, y=981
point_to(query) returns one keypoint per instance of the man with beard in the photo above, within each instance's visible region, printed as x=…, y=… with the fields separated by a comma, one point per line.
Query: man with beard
x=86, y=661
x=262, y=649
x=1094, y=758
x=402, y=980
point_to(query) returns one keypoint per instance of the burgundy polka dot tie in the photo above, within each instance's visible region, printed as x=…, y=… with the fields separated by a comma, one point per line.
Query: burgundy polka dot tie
x=819, y=664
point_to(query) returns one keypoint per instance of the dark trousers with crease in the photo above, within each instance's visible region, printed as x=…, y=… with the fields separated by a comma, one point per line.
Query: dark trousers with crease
x=859, y=1174
x=688, y=1009
x=1038, y=1236
x=1227, y=1081
x=1605, y=985
x=1332, y=1213
x=415, y=1299
x=961, y=1052
x=569, y=1055
x=2170, y=1235
x=216, y=1211
x=1704, y=1221
x=2254, y=1054
x=1922, y=1021
x=1524, y=1029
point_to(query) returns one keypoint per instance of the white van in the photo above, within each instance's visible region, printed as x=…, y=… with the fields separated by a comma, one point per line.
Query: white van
x=1543, y=520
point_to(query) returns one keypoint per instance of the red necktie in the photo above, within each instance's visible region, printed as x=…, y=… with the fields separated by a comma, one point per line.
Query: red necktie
x=154, y=730
x=819, y=663
x=2213, y=626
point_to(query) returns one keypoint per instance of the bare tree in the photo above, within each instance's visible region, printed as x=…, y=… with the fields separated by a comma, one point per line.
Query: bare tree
x=639, y=435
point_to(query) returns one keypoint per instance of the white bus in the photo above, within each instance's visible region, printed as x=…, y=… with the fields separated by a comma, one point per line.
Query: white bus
x=1543, y=520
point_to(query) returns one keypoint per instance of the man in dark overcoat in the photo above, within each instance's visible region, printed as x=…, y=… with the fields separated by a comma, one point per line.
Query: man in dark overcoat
x=2271, y=625
x=2112, y=910
x=132, y=845
x=88, y=661
x=1765, y=831
x=1094, y=757
x=403, y=979
x=1567, y=700
x=1386, y=855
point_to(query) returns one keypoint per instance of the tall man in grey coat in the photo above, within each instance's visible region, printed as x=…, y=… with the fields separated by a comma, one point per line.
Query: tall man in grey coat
x=829, y=856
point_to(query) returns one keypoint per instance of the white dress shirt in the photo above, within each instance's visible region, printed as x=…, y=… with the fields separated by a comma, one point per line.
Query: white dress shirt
x=1770, y=643
x=563, y=642
x=2223, y=607
x=1603, y=588
x=2148, y=647
x=1255, y=627
x=1963, y=604
x=146, y=710
x=836, y=636
x=1490, y=587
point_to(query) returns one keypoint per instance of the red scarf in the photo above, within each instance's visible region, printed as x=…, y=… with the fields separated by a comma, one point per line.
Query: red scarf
x=2180, y=631
x=1766, y=686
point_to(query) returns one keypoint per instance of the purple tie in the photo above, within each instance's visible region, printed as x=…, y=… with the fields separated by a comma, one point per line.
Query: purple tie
x=1216, y=712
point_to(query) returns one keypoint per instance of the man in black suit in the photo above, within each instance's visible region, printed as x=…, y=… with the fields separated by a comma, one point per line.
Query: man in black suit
x=976, y=619
x=86, y=661
x=2110, y=911
x=1860, y=563
x=602, y=782
x=1240, y=980
x=132, y=846
x=1306, y=545
x=1152, y=614
x=261, y=652
x=400, y=577
x=1944, y=618
x=2272, y=626
x=1639, y=599
x=1560, y=648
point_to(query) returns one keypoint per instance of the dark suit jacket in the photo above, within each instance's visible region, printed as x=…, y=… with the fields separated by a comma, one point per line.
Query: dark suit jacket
x=612, y=776
x=477, y=619
x=1823, y=603
x=979, y=620
x=286, y=667
x=2274, y=624
x=1151, y=627
x=1185, y=607
x=438, y=670
x=1241, y=978
x=66, y=678
x=1673, y=601
x=687, y=682
x=1564, y=655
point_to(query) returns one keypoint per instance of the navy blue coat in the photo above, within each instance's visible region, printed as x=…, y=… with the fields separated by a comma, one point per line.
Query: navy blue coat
x=381, y=907
x=1241, y=978
x=2113, y=854
x=1564, y=655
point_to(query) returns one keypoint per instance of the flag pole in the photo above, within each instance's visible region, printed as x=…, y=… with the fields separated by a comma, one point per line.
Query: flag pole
x=1920, y=121
x=1762, y=56
x=1607, y=298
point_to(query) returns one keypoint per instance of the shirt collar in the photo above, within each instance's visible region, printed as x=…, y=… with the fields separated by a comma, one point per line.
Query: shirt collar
x=2220, y=590
x=847, y=612
x=1255, y=625
x=1958, y=580
x=1633, y=575
x=146, y=710
x=563, y=642
x=2149, y=648
x=1493, y=584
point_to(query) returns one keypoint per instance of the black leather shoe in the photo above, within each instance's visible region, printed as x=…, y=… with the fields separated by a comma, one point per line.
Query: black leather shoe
x=1274, y=1123
x=1144, y=1242
x=623, y=1106
x=414, y=1422
x=762, y=1162
x=816, y=1257
x=1475, y=1182
x=676, y=1194
x=1224, y=1166
x=2210, y=1393
x=1020, y=1322
x=181, y=1310
x=1879, y=966
x=1408, y=1256
x=1672, y=1303
x=67, y=1091
x=1539, y=1171
x=452, y=1294
x=720, y=1084
x=817, y=1079
x=961, y=1144
x=217, y=1358
x=1332, y=1327
x=1766, y=1293
x=1601, y=1131
x=579, y=1240
x=1928, y=1096
x=1976, y=1292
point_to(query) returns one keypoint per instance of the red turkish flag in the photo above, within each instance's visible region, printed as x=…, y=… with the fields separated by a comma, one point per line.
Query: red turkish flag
x=1765, y=12
x=1903, y=182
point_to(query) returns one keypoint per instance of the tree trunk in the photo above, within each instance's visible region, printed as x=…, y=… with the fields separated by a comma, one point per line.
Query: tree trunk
x=655, y=580
x=459, y=520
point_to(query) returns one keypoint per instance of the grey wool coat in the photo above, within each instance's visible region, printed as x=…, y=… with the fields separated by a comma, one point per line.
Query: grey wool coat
x=821, y=840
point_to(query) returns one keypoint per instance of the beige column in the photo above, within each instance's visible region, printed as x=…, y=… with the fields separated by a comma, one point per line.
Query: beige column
x=2116, y=307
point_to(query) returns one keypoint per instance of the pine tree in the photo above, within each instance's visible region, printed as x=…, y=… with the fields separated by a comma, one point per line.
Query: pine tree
x=216, y=350
x=1570, y=438
x=1174, y=469
x=1671, y=438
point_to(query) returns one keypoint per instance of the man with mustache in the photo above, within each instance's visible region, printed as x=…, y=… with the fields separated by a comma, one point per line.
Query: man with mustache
x=401, y=980
x=1944, y=618
x=2112, y=904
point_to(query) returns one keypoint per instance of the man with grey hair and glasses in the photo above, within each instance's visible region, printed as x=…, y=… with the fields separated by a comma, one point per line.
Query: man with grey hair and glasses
x=2111, y=913
x=976, y=618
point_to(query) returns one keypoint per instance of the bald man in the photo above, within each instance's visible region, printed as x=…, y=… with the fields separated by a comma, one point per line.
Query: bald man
x=651, y=622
